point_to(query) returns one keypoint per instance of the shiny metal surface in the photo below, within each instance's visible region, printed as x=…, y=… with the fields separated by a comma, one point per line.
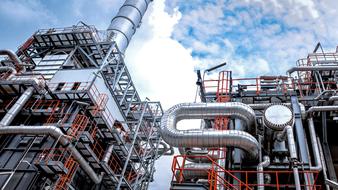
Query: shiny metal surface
x=321, y=108
x=195, y=170
x=312, y=68
x=200, y=153
x=124, y=24
x=209, y=137
x=260, y=174
x=16, y=108
x=278, y=116
x=287, y=133
x=314, y=144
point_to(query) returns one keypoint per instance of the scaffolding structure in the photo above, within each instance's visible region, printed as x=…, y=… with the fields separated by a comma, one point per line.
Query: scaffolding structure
x=71, y=115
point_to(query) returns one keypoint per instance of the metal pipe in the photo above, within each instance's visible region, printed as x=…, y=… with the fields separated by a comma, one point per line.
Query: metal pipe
x=200, y=155
x=167, y=151
x=321, y=108
x=221, y=163
x=263, y=105
x=18, y=63
x=314, y=143
x=195, y=170
x=296, y=178
x=6, y=69
x=56, y=133
x=320, y=95
x=108, y=154
x=288, y=132
x=312, y=68
x=209, y=137
x=323, y=163
x=260, y=174
x=16, y=108
x=124, y=24
x=333, y=98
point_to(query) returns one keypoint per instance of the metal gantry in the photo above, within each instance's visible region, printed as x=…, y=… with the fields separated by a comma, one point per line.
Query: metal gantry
x=72, y=117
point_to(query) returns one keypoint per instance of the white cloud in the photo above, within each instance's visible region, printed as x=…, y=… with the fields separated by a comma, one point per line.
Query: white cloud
x=162, y=69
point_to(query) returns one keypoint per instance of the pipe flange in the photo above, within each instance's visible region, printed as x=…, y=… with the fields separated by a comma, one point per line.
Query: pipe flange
x=278, y=116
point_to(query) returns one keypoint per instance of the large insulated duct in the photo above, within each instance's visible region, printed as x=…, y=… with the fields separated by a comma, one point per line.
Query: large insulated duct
x=209, y=137
x=16, y=108
x=124, y=24
x=57, y=134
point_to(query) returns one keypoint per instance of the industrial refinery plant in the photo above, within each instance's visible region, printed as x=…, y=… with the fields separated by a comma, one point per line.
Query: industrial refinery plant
x=268, y=132
x=71, y=118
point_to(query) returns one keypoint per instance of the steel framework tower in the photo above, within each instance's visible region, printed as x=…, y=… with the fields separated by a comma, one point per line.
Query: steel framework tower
x=71, y=115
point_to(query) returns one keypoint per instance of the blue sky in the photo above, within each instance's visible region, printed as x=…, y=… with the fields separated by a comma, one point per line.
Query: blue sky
x=179, y=36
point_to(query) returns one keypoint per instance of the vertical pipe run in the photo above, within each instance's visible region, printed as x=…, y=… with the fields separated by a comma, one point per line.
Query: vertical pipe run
x=221, y=162
x=314, y=143
x=288, y=132
x=301, y=137
x=293, y=154
x=15, y=109
x=108, y=154
x=260, y=174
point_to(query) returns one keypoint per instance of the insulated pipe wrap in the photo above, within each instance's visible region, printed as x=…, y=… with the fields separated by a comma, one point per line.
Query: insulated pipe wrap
x=209, y=138
x=16, y=108
x=195, y=170
x=124, y=24
x=260, y=174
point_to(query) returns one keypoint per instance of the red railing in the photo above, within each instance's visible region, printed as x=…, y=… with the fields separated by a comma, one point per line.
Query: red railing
x=100, y=101
x=53, y=154
x=114, y=164
x=130, y=176
x=71, y=166
x=323, y=58
x=223, y=93
x=261, y=85
x=96, y=147
x=78, y=126
x=178, y=168
x=47, y=106
x=101, y=104
x=7, y=104
x=310, y=87
x=217, y=175
x=5, y=75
